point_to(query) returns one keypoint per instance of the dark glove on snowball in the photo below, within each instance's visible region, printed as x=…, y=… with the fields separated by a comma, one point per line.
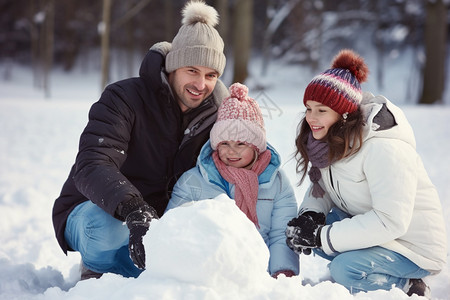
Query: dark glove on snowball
x=138, y=215
x=303, y=232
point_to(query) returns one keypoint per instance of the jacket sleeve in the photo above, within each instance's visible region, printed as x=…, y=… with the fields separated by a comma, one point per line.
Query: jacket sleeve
x=284, y=209
x=391, y=172
x=102, y=151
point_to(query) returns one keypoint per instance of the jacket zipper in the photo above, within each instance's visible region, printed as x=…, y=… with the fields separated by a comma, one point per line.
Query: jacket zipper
x=336, y=192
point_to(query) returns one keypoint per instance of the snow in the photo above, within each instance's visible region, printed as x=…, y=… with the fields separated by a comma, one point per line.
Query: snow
x=207, y=250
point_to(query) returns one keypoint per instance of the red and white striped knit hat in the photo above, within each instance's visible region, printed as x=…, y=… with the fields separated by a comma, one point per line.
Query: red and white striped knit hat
x=339, y=87
x=239, y=119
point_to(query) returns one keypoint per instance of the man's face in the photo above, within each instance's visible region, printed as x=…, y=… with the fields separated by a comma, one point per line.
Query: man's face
x=192, y=85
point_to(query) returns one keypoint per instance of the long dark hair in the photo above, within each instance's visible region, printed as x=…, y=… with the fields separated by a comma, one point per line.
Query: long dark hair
x=344, y=138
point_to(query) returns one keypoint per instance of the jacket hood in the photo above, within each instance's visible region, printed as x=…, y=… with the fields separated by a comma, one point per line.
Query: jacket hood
x=152, y=66
x=209, y=171
x=385, y=120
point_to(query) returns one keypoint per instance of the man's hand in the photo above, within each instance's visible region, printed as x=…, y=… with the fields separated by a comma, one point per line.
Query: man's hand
x=303, y=232
x=138, y=222
x=138, y=215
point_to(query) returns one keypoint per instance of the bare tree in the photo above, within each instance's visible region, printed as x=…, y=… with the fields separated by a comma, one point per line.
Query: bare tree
x=168, y=20
x=379, y=42
x=242, y=38
x=127, y=21
x=435, y=52
x=42, y=37
x=130, y=46
x=105, y=29
x=222, y=9
x=34, y=42
x=274, y=23
x=49, y=29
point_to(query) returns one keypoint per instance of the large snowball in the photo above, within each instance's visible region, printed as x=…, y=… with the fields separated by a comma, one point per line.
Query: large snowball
x=204, y=243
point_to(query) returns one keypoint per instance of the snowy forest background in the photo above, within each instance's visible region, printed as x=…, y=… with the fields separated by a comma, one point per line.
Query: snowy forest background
x=54, y=65
x=111, y=36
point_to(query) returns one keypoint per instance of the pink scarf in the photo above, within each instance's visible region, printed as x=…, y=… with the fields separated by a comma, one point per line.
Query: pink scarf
x=245, y=181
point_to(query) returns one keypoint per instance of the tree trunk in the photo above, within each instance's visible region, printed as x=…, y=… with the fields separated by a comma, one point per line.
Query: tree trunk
x=266, y=49
x=34, y=38
x=435, y=50
x=42, y=18
x=379, y=43
x=222, y=9
x=106, y=25
x=274, y=22
x=49, y=38
x=242, y=38
x=70, y=42
x=129, y=29
x=168, y=20
x=316, y=45
x=127, y=21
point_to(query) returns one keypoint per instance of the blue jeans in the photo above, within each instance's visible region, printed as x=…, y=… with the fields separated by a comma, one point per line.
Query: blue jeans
x=101, y=240
x=371, y=268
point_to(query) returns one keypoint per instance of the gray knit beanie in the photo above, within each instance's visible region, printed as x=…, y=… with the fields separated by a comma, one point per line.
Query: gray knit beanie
x=197, y=43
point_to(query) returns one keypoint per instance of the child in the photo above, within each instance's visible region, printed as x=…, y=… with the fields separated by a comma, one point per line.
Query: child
x=386, y=226
x=238, y=161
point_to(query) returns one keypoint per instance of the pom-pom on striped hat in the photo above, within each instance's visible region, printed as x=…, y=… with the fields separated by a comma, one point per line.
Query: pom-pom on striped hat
x=239, y=119
x=339, y=87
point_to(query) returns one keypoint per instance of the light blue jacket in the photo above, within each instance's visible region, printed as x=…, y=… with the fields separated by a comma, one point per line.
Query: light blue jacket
x=276, y=204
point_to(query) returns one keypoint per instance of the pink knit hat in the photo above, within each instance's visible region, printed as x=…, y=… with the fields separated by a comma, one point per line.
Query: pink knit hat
x=239, y=119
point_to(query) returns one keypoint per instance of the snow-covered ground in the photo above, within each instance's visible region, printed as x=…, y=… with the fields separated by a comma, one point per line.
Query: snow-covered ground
x=191, y=255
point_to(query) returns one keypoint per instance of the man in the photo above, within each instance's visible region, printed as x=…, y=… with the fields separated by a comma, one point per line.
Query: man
x=142, y=135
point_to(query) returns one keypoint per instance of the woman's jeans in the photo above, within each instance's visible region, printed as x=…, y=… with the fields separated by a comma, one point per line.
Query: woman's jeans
x=369, y=269
x=101, y=240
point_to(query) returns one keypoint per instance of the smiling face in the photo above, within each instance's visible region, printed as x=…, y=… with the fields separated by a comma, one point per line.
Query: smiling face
x=236, y=154
x=320, y=118
x=192, y=85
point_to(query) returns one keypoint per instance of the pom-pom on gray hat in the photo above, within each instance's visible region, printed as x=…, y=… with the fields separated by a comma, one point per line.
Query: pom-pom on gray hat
x=197, y=43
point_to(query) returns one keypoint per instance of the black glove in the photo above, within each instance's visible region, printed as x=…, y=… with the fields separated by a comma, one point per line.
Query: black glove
x=303, y=232
x=137, y=214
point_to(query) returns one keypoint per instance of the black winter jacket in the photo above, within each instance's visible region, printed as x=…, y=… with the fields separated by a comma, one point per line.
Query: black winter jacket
x=135, y=144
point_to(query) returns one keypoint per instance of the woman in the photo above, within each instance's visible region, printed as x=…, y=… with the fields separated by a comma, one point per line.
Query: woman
x=371, y=208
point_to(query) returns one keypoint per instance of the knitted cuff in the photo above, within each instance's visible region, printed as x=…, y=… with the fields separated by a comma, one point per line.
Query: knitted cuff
x=318, y=240
x=287, y=273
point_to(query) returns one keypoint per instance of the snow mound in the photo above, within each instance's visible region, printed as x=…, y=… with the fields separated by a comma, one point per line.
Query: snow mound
x=204, y=243
x=206, y=250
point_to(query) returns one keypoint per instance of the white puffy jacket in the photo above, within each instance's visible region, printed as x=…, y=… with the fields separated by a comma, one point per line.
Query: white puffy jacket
x=386, y=189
